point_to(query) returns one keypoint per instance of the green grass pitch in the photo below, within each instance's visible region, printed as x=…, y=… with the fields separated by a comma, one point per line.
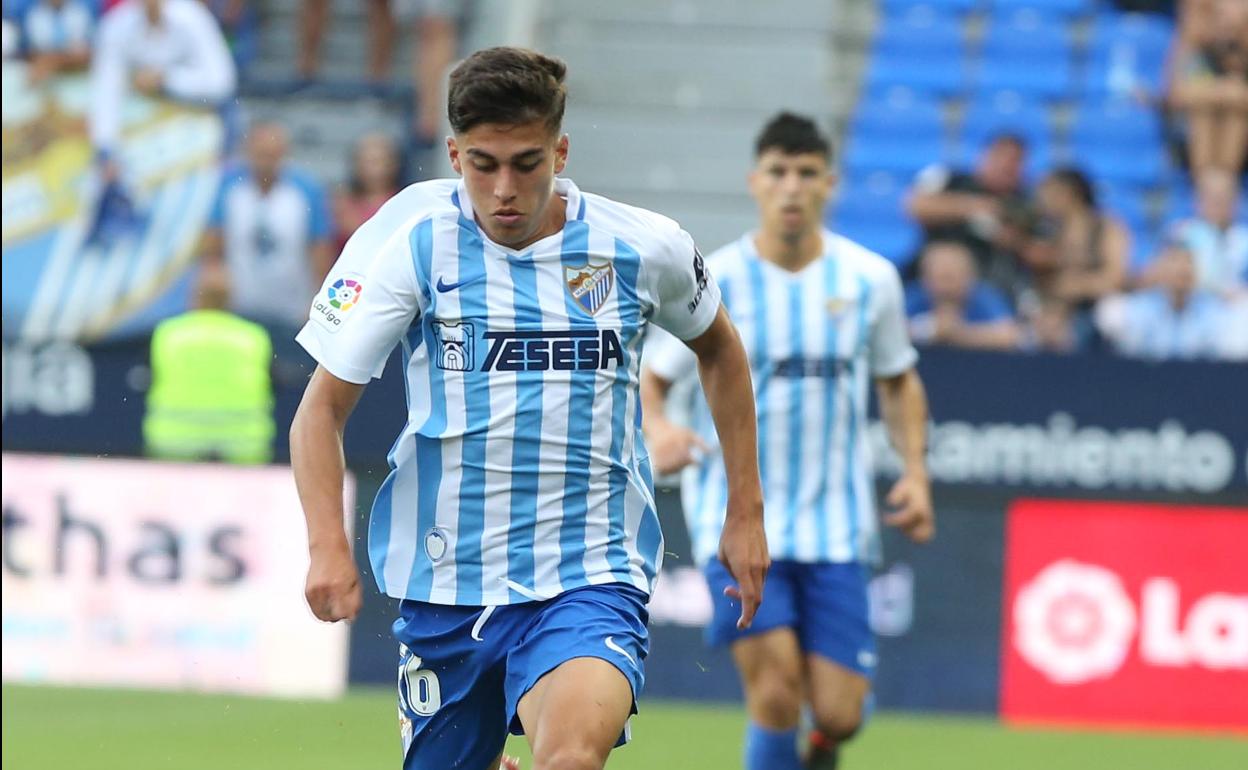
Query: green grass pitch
x=104, y=729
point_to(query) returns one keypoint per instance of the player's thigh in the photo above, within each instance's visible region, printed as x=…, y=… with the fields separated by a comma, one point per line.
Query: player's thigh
x=771, y=667
x=574, y=679
x=835, y=635
x=452, y=705
x=576, y=713
x=837, y=696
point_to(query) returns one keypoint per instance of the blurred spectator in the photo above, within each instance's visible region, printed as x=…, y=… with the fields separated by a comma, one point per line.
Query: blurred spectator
x=435, y=38
x=373, y=180
x=1174, y=319
x=1208, y=83
x=1049, y=327
x=270, y=228
x=1217, y=241
x=986, y=210
x=1080, y=254
x=12, y=39
x=951, y=306
x=169, y=48
x=57, y=36
x=211, y=396
x=241, y=27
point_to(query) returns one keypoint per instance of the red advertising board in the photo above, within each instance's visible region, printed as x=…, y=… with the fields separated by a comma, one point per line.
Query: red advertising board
x=1126, y=613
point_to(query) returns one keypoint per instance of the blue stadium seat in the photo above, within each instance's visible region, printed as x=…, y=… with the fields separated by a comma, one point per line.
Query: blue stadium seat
x=1004, y=112
x=1121, y=126
x=1052, y=7
x=864, y=154
x=935, y=76
x=1027, y=53
x=1142, y=168
x=918, y=35
x=897, y=241
x=897, y=114
x=1148, y=35
x=875, y=198
x=1126, y=203
x=899, y=132
x=915, y=50
x=945, y=6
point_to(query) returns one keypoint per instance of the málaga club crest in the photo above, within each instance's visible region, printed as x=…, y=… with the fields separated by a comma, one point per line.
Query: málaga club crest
x=590, y=285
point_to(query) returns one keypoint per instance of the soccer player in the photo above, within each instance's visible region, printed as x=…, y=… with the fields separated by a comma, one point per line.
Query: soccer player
x=821, y=317
x=518, y=524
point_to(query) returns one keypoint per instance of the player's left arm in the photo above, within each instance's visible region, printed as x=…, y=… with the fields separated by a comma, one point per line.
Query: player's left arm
x=687, y=304
x=903, y=405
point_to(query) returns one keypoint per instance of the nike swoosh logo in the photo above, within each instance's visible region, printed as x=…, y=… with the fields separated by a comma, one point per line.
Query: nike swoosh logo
x=444, y=287
x=611, y=645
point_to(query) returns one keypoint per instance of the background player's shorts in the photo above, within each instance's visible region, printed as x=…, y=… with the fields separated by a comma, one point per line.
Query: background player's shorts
x=825, y=603
x=463, y=670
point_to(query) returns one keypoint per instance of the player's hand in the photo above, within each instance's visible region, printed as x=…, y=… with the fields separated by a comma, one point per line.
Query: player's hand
x=743, y=552
x=333, y=588
x=672, y=447
x=911, y=501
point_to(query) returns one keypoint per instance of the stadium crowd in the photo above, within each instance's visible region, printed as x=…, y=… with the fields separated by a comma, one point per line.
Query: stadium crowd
x=1002, y=264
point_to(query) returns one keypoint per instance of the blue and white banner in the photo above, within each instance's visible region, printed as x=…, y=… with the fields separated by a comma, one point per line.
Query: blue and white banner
x=55, y=285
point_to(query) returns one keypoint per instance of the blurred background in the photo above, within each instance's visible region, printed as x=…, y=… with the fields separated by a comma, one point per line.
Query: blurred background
x=178, y=176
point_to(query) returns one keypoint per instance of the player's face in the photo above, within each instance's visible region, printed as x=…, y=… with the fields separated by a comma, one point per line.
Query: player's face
x=791, y=191
x=509, y=171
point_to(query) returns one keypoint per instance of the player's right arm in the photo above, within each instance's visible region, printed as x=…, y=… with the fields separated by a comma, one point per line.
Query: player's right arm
x=333, y=586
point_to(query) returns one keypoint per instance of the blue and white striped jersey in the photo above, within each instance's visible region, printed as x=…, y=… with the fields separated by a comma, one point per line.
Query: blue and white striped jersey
x=816, y=339
x=521, y=472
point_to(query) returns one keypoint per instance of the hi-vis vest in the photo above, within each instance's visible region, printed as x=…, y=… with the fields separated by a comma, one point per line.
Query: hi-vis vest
x=211, y=396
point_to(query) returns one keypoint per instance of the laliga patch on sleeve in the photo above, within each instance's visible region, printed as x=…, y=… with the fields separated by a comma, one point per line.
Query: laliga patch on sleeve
x=332, y=306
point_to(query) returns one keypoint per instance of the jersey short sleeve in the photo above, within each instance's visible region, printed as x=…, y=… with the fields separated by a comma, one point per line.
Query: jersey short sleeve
x=686, y=296
x=891, y=351
x=367, y=302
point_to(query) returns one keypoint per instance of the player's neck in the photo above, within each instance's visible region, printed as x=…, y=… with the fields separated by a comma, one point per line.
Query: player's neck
x=791, y=254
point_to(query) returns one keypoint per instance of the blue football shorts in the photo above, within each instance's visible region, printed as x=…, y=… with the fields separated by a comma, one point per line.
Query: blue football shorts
x=824, y=603
x=463, y=670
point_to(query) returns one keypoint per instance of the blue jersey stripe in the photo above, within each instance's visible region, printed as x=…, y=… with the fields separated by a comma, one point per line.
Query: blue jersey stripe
x=761, y=366
x=580, y=430
x=526, y=444
x=470, y=532
x=428, y=451
x=823, y=500
x=627, y=266
x=864, y=299
x=796, y=415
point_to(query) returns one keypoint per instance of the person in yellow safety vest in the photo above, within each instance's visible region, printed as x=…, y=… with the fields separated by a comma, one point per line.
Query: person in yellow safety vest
x=211, y=396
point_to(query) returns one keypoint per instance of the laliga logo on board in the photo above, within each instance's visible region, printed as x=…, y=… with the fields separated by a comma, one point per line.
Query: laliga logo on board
x=1076, y=622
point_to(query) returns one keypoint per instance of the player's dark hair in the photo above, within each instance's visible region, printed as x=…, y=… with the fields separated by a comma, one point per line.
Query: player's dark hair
x=792, y=135
x=507, y=85
x=1077, y=182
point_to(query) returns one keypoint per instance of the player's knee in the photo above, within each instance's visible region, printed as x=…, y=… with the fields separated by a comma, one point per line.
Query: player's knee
x=777, y=701
x=839, y=721
x=567, y=756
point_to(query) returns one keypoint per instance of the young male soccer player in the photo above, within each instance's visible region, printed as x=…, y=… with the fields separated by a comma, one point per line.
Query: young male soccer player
x=518, y=525
x=820, y=316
